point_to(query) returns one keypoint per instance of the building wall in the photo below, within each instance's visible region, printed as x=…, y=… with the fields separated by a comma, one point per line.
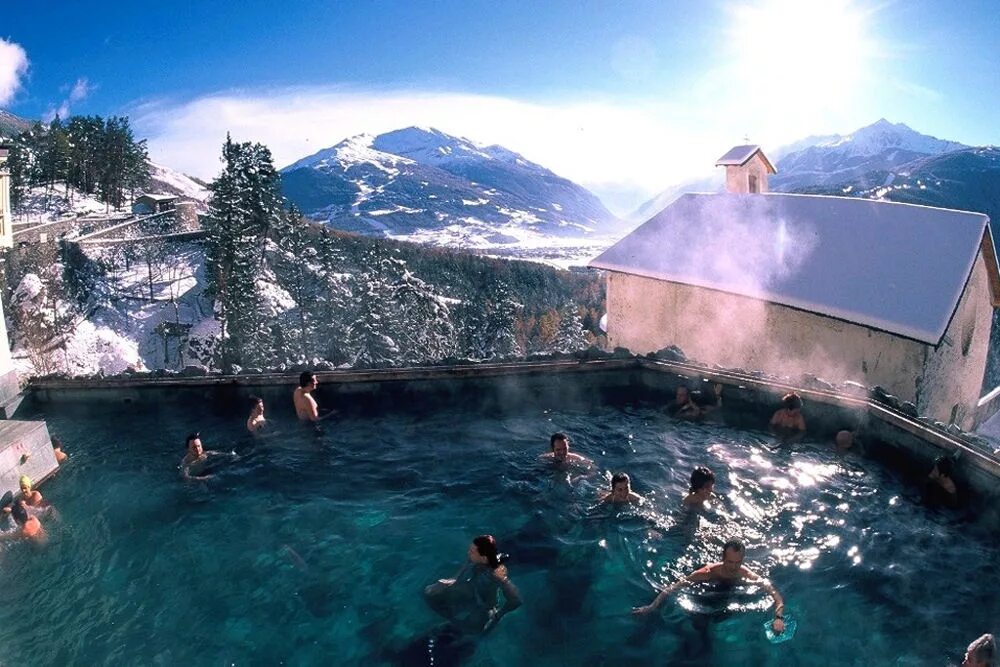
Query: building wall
x=737, y=178
x=6, y=216
x=953, y=375
x=713, y=327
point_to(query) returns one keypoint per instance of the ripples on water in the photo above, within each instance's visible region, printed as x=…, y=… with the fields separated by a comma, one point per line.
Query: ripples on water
x=314, y=550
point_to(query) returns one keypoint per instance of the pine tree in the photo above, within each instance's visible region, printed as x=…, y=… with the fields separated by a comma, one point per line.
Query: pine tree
x=570, y=336
x=491, y=332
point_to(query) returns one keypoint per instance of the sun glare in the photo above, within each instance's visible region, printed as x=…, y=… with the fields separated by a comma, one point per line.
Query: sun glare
x=801, y=54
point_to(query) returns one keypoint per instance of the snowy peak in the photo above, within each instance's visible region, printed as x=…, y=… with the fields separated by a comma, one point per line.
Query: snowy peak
x=883, y=135
x=350, y=152
x=433, y=147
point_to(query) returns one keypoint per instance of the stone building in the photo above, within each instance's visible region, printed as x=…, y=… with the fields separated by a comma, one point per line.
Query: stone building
x=846, y=288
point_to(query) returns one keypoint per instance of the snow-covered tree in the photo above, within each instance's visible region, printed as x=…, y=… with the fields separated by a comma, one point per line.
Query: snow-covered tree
x=570, y=335
x=368, y=340
x=491, y=330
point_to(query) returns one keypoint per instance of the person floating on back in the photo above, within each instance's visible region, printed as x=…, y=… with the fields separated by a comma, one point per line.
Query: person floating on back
x=787, y=423
x=621, y=491
x=256, y=422
x=730, y=571
x=702, y=486
x=560, y=454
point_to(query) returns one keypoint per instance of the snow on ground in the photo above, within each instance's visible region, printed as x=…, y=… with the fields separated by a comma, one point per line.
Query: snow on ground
x=41, y=204
x=177, y=183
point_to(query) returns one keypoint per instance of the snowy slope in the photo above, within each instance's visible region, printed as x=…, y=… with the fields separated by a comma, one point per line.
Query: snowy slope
x=440, y=189
x=164, y=180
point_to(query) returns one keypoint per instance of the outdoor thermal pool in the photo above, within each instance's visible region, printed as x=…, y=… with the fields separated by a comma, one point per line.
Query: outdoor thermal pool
x=315, y=550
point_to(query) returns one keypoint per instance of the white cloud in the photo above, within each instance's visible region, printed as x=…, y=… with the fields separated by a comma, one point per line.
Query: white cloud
x=13, y=66
x=77, y=93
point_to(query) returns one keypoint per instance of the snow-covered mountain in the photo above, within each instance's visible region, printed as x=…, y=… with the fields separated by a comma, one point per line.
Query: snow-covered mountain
x=164, y=180
x=433, y=187
x=881, y=146
x=11, y=125
x=823, y=161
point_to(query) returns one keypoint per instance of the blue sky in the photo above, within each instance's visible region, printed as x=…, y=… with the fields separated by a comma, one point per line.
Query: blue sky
x=626, y=98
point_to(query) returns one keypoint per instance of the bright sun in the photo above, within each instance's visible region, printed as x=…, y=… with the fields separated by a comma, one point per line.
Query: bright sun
x=797, y=51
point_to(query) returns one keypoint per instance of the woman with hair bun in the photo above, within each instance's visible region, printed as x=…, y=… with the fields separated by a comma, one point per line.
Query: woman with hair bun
x=471, y=601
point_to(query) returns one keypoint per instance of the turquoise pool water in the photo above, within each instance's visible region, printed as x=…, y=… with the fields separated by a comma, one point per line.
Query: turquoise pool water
x=315, y=550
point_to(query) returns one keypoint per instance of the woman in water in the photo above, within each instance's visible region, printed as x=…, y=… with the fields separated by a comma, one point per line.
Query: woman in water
x=702, y=485
x=470, y=601
x=30, y=497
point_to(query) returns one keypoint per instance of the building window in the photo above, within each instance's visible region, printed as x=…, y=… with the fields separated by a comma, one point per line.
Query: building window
x=753, y=187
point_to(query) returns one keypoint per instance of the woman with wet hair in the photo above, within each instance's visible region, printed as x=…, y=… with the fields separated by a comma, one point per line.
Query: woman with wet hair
x=787, y=423
x=471, y=601
x=702, y=486
x=256, y=422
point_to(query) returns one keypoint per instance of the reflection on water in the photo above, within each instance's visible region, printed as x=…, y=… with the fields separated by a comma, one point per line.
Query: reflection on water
x=314, y=549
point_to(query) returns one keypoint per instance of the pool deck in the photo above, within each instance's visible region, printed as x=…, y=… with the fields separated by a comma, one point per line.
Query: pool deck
x=900, y=439
x=25, y=449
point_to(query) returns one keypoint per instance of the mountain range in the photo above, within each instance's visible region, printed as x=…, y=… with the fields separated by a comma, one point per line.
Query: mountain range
x=829, y=163
x=421, y=181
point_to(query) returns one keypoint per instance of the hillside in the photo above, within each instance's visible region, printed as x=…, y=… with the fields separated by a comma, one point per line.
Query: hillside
x=428, y=186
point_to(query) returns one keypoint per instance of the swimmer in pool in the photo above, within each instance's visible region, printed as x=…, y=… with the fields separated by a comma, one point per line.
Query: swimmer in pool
x=843, y=442
x=621, y=491
x=256, y=422
x=306, y=407
x=196, y=459
x=702, y=486
x=730, y=571
x=28, y=526
x=787, y=423
x=470, y=601
x=560, y=454
x=30, y=497
x=57, y=451
x=940, y=489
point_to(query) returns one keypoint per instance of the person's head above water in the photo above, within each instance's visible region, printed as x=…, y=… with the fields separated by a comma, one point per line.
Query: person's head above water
x=307, y=379
x=256, y=405
x=844, y=440
x=484, y=550
x=683, y=395
x=944, y=467
x=982, y=652
x=559, y=444
x=733, y=553
x=193, y=444
x=25, y=483
x=621, y=486
x=19, y=512
x=702, y=478
x=791, y=401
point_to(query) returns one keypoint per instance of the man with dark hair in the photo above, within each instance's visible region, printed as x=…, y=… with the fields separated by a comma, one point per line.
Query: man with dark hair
x=621, y=490
x=730, y=571
x=560, y=454
x=28, y=526
x=787, y=422
x=196, y=461
x=305, y=405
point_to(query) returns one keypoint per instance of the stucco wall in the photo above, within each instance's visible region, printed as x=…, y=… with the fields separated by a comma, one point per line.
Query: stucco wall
x=739, y=332
x=953, y=374
x=737, y=177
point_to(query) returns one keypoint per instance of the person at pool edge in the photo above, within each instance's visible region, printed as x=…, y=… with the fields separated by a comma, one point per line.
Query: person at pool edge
x=702, y=486
x=787, y=422
x=28, y=526
x=470, y=600
x=196, y=458
x=982, y=652
x=560, y=454
x=306, y=407
x=730, y=571
x=621, y=491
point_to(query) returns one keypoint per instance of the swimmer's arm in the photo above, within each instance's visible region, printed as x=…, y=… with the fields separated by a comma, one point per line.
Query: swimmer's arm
x=512, y=600
x=779, y=602
x=704, y=574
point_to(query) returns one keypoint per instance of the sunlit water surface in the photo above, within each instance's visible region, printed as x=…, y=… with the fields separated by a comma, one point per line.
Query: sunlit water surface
x=315, y=550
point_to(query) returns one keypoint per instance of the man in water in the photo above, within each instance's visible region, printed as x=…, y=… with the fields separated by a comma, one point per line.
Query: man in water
x=730, y=571
x=787, y=423
x=196, y=459
x=560, y=454
x=305, y=405
x=28, y=526
x=843, y=442
x=621, y=491
x=256, y=422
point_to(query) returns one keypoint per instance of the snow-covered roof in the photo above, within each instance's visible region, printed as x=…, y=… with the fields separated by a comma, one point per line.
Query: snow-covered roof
x=157, y=197
x=739, y=155
x=900, y=268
